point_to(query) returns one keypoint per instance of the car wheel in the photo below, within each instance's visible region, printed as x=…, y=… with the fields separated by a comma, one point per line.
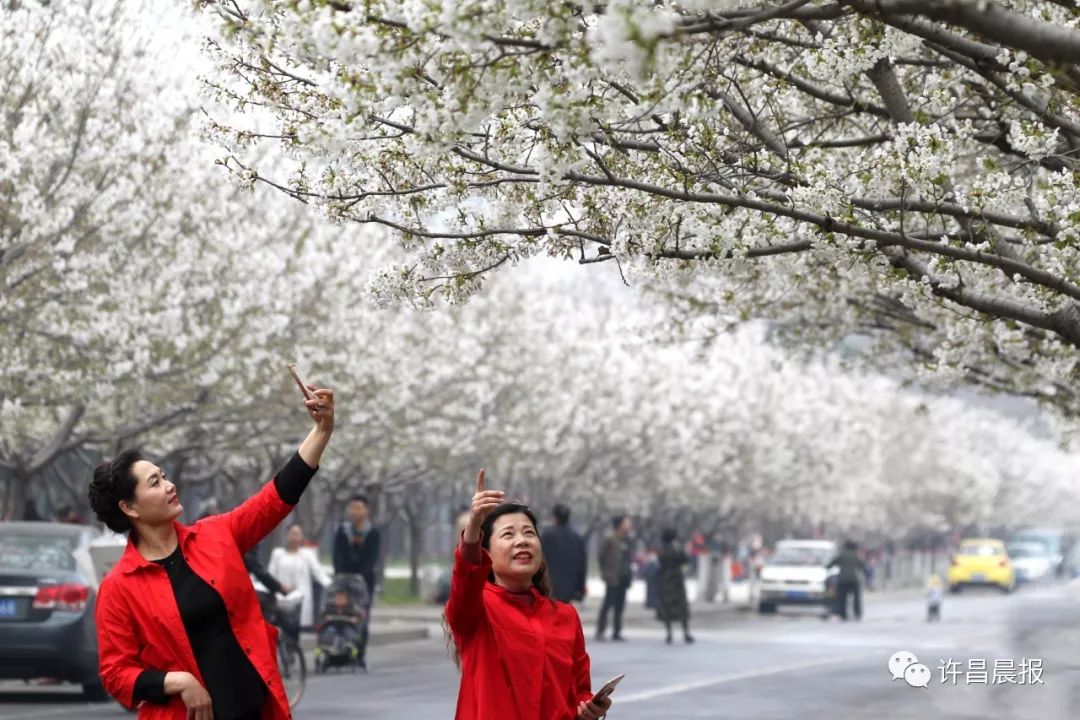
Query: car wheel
x=93, y=692
x=954, y=589
x=766, y=608
x=1008, y=588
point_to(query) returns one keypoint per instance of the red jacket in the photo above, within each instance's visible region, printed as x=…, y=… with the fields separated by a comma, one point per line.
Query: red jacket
x=517, y=662
x=139, y=625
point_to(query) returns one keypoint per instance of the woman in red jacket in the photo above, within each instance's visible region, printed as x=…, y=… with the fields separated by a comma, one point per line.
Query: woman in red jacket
x=180, y=633
x=522, y=653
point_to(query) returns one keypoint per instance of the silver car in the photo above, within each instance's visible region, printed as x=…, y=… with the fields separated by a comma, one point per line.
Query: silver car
x=47, y=593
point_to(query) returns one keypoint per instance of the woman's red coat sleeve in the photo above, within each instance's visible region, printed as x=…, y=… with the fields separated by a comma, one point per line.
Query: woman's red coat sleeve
x=118, y=646
x=466, y=604
x=256, y=517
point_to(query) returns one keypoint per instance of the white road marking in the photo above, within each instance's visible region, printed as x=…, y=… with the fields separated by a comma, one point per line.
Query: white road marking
x=730, y=677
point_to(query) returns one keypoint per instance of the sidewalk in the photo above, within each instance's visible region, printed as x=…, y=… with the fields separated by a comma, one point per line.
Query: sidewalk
x=386, y=632
x=635, y=610
x=408, y=623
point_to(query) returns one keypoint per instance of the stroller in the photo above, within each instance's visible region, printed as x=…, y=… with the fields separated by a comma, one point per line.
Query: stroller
x=341, y=630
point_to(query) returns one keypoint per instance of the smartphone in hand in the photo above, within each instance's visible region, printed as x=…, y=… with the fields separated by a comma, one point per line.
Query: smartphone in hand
x=308, y=395
x=609, y=687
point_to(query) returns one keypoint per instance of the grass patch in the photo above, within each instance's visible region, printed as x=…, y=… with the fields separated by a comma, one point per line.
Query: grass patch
x=395, y=592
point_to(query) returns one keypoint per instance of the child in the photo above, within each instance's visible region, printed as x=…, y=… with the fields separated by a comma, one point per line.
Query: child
x=340, y=622
x=935, y=593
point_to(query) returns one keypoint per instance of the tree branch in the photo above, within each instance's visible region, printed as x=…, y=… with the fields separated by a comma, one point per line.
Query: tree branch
x=1013, y=30
x=57, y=445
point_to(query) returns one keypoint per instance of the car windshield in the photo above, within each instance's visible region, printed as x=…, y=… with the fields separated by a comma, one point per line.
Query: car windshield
x=36, y=552
x=980, y=550
x=1046, y=541
x=1031, y=550
x=809, y=556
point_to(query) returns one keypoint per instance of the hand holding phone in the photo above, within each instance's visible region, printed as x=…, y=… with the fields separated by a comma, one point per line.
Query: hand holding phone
x=308, y=395
x=609, y=687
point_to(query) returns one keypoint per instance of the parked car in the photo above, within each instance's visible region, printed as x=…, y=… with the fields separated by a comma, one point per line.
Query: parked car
x=982, y=561
x=796, y=574
x=1057, y=542
x=47, y=605
x=1031, y=560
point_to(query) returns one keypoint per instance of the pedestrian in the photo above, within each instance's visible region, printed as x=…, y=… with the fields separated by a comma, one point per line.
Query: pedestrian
x=650, y=573
x=617, y=571
x=256, y=567
x=298, y=567
x=567, y=561
x=870, y=562
x=179, y=631
x=848, y=580
x=521, y=652
x=356, y=552
x=673, y=606
x=935, y=595
x=697, y=549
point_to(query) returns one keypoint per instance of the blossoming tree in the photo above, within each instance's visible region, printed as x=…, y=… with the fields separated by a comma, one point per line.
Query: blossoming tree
x=903, y=167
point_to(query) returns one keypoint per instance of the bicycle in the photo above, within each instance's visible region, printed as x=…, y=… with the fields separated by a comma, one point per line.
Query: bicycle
x=284, y=613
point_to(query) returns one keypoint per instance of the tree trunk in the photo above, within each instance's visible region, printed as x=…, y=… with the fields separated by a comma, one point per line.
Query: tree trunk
x=416, y=539
x=18, y=486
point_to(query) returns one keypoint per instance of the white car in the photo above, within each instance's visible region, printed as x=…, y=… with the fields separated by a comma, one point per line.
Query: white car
x=1032, y=561
x=796, y=574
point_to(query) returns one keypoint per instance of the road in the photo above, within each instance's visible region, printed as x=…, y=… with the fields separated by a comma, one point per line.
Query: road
x=792, y=665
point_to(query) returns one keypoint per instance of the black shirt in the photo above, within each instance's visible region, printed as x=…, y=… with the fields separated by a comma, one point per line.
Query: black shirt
x=232, y=682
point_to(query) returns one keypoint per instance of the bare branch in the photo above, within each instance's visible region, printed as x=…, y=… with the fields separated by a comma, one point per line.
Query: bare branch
x=1039, y=39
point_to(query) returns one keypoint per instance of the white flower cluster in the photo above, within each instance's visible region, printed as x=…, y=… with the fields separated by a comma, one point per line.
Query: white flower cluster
x=489, y=131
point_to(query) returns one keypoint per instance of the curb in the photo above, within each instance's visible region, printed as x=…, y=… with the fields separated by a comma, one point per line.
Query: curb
x=380, y=635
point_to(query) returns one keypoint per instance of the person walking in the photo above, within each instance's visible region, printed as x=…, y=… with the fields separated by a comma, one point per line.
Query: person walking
x=564, y=551
x=356, y=552
x=180, y=635
x=618, y=573
x=848, y=580
x=672, y=606
x=935, y=596
x=650, y=573
x=297, y=567
x=521, y=652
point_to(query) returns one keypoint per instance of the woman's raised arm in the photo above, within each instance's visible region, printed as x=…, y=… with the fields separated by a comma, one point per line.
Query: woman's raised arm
x=258, y=515
x=471, y=563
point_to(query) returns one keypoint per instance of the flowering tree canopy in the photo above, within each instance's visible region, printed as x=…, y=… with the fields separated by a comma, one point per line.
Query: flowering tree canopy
x=904, y=167
x=138, y=285
x=144, y=299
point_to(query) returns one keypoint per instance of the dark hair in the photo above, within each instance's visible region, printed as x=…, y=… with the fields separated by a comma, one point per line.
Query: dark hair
x=617, y=520
x=540, y=580
x=359, y=498
x=850, y=545
x=668, y=535
x=112, y=483
x=561, y=513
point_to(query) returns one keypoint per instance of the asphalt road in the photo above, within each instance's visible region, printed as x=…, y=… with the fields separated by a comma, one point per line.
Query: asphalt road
x=792, y=665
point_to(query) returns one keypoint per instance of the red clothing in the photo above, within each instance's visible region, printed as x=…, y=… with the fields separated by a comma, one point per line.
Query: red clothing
x=139, y=625
x=518, y=661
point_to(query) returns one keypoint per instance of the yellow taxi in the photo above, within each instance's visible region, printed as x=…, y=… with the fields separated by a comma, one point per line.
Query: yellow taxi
x=982, y=561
